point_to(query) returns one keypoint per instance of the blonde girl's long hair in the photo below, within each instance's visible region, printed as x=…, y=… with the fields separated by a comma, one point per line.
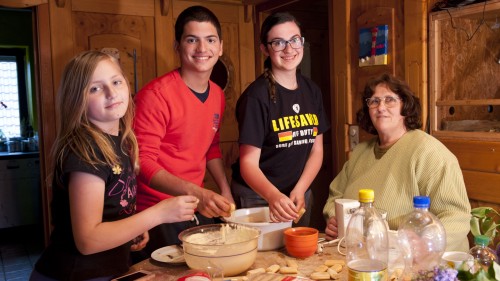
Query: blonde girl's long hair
x=76, y=133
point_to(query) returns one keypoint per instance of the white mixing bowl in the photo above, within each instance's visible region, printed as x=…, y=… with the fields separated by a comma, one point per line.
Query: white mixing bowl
x=271, y=237
x=231, y=247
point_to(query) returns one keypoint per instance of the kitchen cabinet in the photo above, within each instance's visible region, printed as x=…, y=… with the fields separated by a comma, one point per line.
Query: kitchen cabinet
x=465, y=92
x=20, y=198
x=464, y=71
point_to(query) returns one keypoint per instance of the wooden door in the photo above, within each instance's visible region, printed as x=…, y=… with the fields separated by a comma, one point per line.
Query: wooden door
x=126, y=29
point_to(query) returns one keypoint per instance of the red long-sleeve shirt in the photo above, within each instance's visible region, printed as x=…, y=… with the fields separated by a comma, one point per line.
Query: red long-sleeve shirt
x=176, y=132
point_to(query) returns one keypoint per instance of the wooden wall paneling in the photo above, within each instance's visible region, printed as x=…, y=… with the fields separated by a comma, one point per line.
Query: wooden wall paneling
x=123, y=7
x=474, y=67
x=61, y=39
x=415, y=55
x=21, y=3
x=478, y=136
x=469, y=152
x=125, y=33
x=434, y=54
x=482, y=186
x=46, y=108
x=225, y=12
x=340, y=74
x=245, y=73
x=58, y=21
x=164, y=37
x=229, y=129
x=259, y=61
x=246, y=47
x=123, y=42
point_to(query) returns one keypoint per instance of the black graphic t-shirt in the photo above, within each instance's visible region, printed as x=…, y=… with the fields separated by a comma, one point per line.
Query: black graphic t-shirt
x=285, y=131
x=61, y=260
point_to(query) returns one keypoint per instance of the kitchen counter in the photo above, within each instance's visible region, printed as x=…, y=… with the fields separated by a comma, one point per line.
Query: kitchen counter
x=18, y=155
x=264, y=259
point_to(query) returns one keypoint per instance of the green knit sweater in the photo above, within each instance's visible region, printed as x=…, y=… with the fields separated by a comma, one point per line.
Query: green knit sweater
x=417, y=164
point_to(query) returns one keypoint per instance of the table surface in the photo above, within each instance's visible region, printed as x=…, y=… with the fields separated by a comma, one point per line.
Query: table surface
x=168, y=272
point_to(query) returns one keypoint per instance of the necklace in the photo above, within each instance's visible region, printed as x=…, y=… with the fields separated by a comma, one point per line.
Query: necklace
x=294, y=83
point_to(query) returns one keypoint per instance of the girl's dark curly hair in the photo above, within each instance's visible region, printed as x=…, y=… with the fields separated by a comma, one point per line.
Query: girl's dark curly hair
x=411, y=109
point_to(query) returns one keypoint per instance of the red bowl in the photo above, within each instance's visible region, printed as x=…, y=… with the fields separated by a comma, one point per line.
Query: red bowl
x=301, y=242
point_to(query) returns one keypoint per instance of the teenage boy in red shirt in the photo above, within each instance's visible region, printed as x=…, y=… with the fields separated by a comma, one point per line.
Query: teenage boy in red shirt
x=177, y=122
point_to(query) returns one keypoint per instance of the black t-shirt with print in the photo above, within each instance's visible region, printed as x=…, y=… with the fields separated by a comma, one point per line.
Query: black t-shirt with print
x=285, y=131
x=61, y=259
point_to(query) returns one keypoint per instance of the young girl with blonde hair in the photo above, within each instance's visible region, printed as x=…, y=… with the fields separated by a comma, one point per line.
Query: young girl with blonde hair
x=95, y=161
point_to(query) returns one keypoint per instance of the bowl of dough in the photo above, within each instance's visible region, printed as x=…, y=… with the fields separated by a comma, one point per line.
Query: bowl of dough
x=231, y=247
x=271, y=237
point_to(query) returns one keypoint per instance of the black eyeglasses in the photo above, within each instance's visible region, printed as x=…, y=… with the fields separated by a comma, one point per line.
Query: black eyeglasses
x=389, y=101
x=280, y=44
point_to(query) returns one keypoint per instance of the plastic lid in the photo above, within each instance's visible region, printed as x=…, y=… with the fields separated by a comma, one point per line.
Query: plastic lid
x=366, y=195
x=421, y=201
x=481, y=240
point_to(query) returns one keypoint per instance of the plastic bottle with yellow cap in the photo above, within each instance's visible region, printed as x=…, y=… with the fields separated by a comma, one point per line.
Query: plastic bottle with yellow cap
x=367, y=243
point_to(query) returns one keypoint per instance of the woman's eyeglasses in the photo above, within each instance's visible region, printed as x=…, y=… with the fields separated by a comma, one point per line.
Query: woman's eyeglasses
x=280, y=44
x=389, y=101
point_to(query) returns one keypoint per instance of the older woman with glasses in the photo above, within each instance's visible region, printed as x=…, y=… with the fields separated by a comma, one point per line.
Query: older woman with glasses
x=281, y=121
x=400, y=162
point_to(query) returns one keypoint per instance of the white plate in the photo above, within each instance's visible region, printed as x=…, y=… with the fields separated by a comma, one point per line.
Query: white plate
x=171, y=254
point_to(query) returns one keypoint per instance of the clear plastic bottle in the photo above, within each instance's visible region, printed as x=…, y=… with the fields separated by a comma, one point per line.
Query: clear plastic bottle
x=482, y=253
x=422, y=238
x=367, y=243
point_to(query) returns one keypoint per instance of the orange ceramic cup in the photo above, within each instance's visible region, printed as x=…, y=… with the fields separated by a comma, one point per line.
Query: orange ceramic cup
x=301, y=242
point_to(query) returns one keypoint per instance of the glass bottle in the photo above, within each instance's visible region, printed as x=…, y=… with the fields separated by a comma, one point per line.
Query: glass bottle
x=366, y=240
x=482, y=253
x=422, y=238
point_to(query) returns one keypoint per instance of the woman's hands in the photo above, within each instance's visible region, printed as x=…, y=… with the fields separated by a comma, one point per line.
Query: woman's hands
x=331, y=230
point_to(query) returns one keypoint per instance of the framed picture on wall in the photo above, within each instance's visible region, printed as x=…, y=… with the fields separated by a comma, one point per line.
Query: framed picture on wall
x=373, y=45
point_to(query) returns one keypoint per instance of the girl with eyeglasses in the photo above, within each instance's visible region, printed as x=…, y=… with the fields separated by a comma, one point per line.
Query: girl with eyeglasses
x=281, y=123
x=401, y=162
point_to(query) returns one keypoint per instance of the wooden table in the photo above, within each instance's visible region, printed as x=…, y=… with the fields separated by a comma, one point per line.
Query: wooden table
x=167, y=272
